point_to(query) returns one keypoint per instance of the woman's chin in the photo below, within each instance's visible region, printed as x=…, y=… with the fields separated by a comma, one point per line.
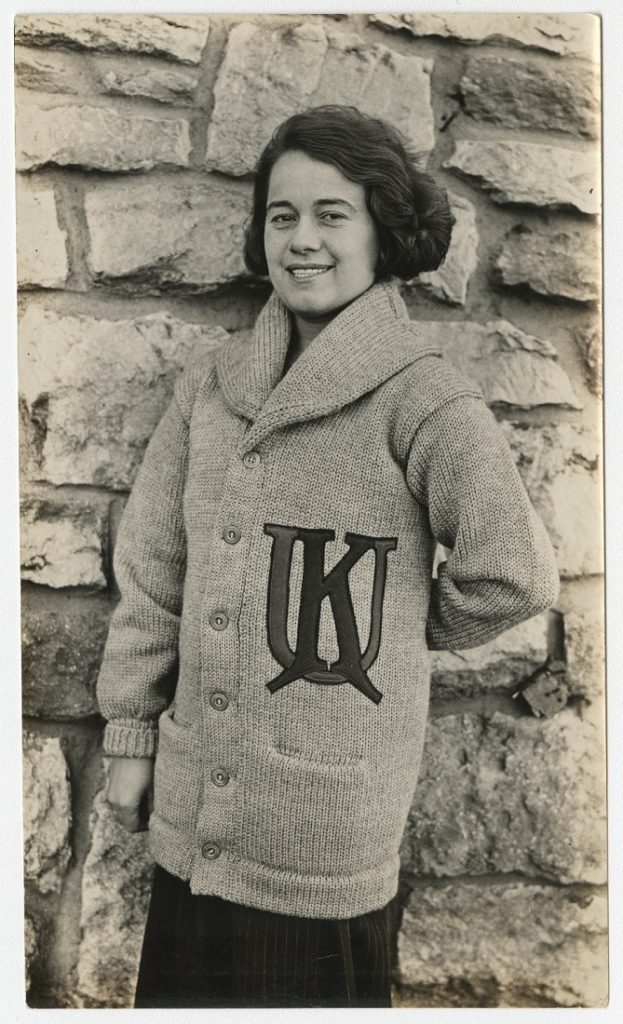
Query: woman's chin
x=310, y=307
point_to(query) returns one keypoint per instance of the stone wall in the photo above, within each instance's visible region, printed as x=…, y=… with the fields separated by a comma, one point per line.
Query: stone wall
x=135, y=139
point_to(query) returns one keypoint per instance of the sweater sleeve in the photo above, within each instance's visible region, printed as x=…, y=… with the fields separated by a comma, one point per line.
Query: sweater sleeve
x=140, y=658
x=501, y=568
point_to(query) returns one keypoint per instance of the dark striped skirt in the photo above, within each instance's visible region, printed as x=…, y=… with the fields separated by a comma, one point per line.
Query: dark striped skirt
x=203, y=951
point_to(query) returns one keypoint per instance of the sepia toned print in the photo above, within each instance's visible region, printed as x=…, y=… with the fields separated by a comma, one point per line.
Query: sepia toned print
x=136, y=142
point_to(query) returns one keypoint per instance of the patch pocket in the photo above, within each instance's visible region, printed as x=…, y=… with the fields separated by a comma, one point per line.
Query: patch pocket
x=330, y=759
x=177, y=773
x=307, y=816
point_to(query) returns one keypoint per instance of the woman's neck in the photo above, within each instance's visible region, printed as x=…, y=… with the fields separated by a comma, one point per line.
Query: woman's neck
x=304, y=329
x=303, y=333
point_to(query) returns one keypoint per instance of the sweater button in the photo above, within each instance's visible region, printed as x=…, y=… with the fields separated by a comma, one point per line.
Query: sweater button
x=218, y=620
x=251, y=459
x=219, y=777
x=219, y=701
x=210, y=851
x=231, y=534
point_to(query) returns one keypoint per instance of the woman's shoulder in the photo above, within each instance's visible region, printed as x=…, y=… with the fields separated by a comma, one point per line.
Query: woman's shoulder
x=425, y=378
x=429, y=380
x=425, y=385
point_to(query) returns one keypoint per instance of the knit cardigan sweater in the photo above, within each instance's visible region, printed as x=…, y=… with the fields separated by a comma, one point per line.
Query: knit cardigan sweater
x=270, y=647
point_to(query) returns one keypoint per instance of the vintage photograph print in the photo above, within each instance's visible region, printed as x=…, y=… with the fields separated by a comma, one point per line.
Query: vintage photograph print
x=312, y=510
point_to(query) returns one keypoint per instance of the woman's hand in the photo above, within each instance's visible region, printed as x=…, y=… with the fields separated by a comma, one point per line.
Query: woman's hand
x=129, y=791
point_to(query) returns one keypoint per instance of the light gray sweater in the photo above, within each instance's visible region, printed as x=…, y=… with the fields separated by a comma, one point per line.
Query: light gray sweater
x=275, y=562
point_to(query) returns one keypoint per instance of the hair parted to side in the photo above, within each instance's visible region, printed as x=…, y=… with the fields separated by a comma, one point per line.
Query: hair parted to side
x=410, y=210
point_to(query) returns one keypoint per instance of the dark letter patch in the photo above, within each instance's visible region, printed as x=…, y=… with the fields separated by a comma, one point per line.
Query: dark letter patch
x=304, y=663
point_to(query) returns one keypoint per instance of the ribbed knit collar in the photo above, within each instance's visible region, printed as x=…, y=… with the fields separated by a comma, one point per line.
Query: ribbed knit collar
x=364, y=345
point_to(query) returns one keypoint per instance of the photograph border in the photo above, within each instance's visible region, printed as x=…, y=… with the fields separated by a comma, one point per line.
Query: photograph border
x=11, y=960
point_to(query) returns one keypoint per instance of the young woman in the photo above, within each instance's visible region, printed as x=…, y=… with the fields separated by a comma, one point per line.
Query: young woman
x=270, y=649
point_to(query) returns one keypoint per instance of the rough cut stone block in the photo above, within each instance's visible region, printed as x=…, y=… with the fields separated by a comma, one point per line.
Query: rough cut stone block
x=510, y=794
x=524, y=94
x=159, y=234
x=504, y=945
x=264, y=77
x=46, y=72
x=537, y=175
x=97, y=138
x=585, y=651
x=61, y=654
x=449, y=283
x=559, y=466
x=116, y=882
x=268, y=75
x=62, y=543
x=166, y=85
x=47, y=812
x=510, y=367
x=41, y=252
x=501, y=664
x=561, y=263
x=178, y=37
x=381, y=82
x=565, y=34
x=97, y=389
x=588, y=340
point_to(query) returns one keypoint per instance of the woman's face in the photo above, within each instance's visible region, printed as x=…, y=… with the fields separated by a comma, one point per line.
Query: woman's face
x=320, y=241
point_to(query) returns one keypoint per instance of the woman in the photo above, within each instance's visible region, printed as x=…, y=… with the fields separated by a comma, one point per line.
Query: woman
x=277, y=601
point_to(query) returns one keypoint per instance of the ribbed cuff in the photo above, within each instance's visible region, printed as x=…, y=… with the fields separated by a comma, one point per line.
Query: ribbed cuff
x=466, y=636
x=131, y=738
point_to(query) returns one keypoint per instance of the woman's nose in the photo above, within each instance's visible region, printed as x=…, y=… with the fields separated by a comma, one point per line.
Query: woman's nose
x=305, y=236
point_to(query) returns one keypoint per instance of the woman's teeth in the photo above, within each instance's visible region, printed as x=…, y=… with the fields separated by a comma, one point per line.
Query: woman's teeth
x=300, y=273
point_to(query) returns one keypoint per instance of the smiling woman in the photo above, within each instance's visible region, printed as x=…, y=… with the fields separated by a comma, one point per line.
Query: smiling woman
x=337, y=195
x=320, y=241
x=275, y=563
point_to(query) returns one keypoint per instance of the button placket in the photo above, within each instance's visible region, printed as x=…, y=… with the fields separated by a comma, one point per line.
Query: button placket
x=219, y=814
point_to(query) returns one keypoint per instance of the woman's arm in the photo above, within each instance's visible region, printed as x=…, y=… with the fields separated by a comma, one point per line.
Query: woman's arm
x=501, y=569
x=137, y=675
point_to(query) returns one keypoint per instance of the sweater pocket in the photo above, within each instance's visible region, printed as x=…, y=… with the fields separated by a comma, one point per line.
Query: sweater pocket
x=177, y=773
x=309, y=817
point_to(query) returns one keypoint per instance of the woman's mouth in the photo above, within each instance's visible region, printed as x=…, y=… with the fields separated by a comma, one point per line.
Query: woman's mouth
x=305, y=273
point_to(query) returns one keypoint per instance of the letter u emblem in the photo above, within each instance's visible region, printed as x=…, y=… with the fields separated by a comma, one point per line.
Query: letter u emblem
x=304, y=662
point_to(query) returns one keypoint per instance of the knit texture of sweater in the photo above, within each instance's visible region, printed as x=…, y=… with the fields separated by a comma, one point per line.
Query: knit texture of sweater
x=270, y=647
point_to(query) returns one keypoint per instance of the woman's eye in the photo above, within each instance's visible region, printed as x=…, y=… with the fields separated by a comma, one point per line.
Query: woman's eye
x=332, y=215
x=281, y=218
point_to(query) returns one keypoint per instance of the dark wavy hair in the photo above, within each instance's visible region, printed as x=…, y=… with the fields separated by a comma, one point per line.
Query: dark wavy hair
x=410, y=210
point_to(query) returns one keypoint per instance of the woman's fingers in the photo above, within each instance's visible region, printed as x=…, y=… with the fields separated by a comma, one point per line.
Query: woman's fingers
x=129, y=818
x=128, y=791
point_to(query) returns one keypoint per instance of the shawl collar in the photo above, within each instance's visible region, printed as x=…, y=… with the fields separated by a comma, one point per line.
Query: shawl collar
x=364, y=345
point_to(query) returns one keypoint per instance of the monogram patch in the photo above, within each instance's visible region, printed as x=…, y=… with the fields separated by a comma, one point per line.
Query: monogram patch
x=304, y=662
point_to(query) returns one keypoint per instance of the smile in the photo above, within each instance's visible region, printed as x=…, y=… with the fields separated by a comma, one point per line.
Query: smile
x=304, y=273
